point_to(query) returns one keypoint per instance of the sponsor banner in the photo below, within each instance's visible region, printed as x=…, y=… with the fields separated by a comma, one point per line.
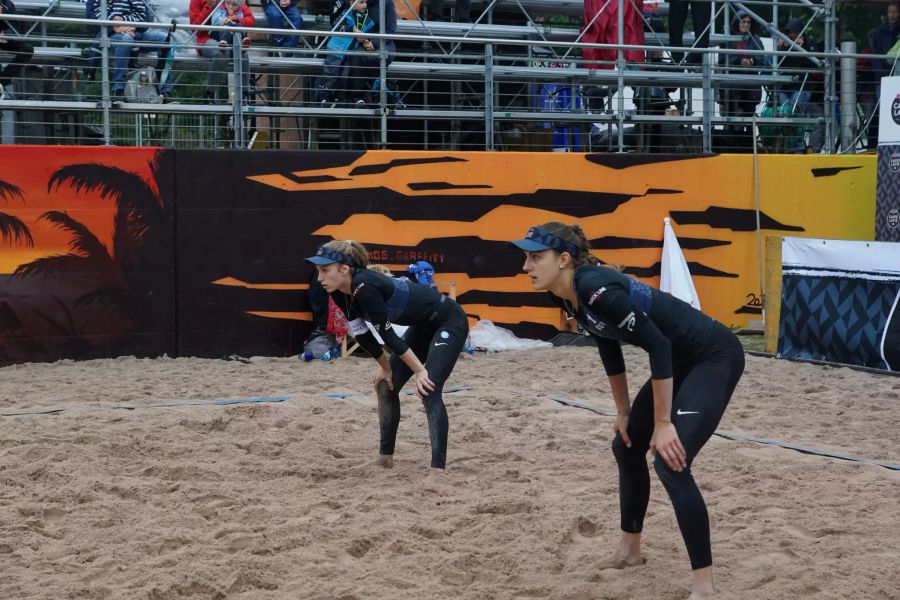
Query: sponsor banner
x=889, y=117
x=837, y=301
x=887, y=204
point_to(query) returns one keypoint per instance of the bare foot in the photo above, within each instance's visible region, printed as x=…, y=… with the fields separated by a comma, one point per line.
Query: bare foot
x=386, y=461
x=617, y=561
x=701, y=596
x=435, y=472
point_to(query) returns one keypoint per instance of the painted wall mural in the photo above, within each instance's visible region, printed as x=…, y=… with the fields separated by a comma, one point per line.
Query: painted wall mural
x=240, y=223
x=86, y=253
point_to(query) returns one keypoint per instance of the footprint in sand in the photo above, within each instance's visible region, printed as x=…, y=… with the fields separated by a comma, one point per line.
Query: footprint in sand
x=359, y=547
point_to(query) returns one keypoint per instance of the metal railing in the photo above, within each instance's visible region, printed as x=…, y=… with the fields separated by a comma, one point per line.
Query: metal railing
x=445, y=86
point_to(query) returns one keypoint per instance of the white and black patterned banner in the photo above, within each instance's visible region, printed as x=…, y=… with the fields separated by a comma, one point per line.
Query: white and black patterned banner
x=887, y=197
x=838, y=301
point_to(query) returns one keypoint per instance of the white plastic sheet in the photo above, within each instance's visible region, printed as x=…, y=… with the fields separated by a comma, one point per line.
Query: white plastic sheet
x=490, y=337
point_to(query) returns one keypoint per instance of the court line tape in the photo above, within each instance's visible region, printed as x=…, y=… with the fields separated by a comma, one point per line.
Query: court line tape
x=50, y=411
x=57, y=410
x=607, y=412
x=342, y=395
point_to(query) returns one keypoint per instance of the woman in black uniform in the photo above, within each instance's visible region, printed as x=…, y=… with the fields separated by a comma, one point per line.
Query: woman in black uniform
x=437, y=332
x=695, y=363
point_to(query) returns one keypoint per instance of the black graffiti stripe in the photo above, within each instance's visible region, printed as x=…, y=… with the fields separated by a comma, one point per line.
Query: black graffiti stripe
x=831, y=171
x=735, y=219
x=378, y=168
x=465, y=254
x=612, y=242
x=315, y=178
x=422, y=186
x=242, y=298
x=624, y=161
x=696, y=269
x=506, y=299
x=531, y=330
x=748, y=310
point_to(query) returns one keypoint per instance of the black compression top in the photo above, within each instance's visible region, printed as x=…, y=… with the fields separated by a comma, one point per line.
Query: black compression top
x=614, y=307
x=383, y=300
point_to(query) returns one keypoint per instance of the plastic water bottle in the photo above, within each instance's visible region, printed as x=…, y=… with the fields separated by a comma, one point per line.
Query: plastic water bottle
x=326, y=356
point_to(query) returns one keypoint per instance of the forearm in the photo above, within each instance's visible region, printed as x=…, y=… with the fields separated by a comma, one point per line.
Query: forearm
x=619, y=386
x=383, y=361
x=412, y=361
x=662, y=400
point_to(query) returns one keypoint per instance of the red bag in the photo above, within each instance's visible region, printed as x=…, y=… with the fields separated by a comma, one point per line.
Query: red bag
x=337, y=322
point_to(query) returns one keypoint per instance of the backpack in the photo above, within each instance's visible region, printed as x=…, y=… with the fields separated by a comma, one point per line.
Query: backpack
x=141, y=87
x=423, y=272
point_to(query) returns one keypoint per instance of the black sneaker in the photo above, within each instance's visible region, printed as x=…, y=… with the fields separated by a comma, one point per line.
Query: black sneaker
x=118, y=94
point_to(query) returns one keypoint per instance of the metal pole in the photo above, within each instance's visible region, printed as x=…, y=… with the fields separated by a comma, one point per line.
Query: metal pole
x=830, y=91
x=382, y=75
x=708, y=102
x=489, y=97
x=848, y=97
x=105, y=102
x=238, y=125
x=759, y=238
x=620, y=68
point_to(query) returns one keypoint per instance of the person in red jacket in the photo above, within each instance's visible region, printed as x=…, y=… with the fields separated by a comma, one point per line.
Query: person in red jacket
x=217, y=45
x=601, y=20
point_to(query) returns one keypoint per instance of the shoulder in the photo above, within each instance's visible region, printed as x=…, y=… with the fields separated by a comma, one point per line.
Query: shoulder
x=365, y=283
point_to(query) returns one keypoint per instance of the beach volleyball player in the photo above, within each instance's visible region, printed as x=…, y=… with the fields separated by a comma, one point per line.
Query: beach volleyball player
x=428, y=350
x=695, y=364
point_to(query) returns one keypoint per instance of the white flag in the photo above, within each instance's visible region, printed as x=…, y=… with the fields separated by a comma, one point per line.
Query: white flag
x=675, y=277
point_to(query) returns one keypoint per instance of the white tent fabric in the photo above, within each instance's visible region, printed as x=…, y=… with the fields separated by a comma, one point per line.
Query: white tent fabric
x=675, y=278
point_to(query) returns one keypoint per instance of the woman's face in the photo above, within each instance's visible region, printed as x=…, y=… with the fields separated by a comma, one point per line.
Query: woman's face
x=744, y=25
x=543, y=268
x=333, y=276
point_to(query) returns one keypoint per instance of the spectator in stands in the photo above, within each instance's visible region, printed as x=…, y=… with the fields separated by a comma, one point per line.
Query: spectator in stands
x=796, y=98
x=741, y=100
x=123, y=36
x=701, y=14
x=283, y=14
x=884, y=38
x=601, y=27
x=21, y=50
x=795, y=94
x=462, y=13
x=217, y=45
x=352, y=63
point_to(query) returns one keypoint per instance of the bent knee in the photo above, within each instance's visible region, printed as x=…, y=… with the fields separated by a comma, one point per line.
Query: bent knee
x=623, y=453
x=667, y=475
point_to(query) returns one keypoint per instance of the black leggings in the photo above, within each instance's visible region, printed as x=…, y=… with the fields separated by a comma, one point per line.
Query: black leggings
x=701, y=393
x=701, y=12
x=438, y=350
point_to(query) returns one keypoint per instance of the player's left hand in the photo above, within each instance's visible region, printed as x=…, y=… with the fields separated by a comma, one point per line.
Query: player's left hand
x=665, y=441
x=424, y=385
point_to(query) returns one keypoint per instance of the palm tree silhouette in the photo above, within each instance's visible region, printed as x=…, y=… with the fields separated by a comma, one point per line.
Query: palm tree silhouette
x=136, y=278
x=13, y=229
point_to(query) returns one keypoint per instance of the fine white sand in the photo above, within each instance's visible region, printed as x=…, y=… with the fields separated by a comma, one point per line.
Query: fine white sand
x=283, y=500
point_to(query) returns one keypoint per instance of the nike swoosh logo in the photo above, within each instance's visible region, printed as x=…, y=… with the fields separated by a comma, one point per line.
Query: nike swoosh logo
x=687, y=412
x=441, y=344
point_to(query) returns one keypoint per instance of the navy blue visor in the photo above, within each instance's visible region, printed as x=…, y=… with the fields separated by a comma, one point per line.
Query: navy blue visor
x=326, y=256
x=538, y=240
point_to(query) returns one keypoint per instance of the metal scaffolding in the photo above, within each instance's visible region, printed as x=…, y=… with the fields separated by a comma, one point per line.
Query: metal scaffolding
x=480, y=85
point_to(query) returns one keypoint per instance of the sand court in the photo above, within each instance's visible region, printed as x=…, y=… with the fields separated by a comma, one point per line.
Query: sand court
x=283, y=500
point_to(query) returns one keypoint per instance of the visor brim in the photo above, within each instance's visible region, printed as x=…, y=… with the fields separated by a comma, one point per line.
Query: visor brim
x=530, y=245
x=320, y=260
